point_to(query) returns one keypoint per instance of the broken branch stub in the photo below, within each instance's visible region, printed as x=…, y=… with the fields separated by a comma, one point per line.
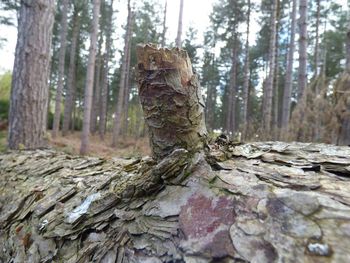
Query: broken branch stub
x=171, y=99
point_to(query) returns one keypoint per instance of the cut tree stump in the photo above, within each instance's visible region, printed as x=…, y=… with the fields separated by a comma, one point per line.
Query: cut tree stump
x=257, y=202
x=270, y=202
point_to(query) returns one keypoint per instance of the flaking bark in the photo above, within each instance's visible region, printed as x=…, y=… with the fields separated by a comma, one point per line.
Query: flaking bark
x=259, y=205
x=171, y=99
x=263, y=207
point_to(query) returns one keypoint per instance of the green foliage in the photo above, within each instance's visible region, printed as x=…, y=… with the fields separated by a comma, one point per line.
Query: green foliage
x=5, y=89
x=8, y=5
x=5, y=85
x=191, y=37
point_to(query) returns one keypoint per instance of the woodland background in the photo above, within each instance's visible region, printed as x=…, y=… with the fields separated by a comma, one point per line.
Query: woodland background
x=292, y=83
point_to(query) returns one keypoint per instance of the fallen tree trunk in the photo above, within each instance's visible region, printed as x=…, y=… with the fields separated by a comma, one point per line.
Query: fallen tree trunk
x=270, y=202
x=257, y=202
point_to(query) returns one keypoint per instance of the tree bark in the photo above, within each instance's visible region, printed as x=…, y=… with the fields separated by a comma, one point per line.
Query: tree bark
x=231, y=109
x=343, y=98
x=209, y=62
x=29, y=92
x=287, y=94
x=90, y=78
x=246, y=79
x=259, y=206
x=264, y=207
x=127, y=92
x=268, y=97
x=164, y=24
x=348, y=45
x=171, y=100
x=69, y=101
x=302, y=78
x=61, y=62
x=104, y=89
x=276, y=97
x=122, y=87
x=178, y=41
x=104, y=97
x=97, y=87
x=316, y=53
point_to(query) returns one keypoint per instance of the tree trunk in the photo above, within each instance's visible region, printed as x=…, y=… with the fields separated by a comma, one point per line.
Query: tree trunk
x=171, y=99
x=276, y=102
x=61, y=62
x=348, y=45
x=259, y=206
x=268, y=97
x=69, y=101
x=29, y=92
x=231, y=109
x=264, y=207
x=104, y=89
x=97, y=90
x=178, y=41
x=90, y=78
x=287, y=94
x=164, y=24
x=246, y=79
x=343, y=98
x=302, y=78
x=122, y=88
x=316, y=53
x=127, y=92
x=211, y=95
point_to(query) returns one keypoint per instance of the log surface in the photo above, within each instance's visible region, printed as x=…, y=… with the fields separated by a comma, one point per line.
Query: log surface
x=266, y=202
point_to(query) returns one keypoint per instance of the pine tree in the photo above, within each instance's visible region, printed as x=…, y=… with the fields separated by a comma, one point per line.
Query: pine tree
x=179, y=27
x=289, y=74
x=302, y=78
x=268, y=89
x=69, y=100
x=61, y=60
x=104, y=88
x=123, y=80
x=90, y=78
x=29, y=92
x=246, y=77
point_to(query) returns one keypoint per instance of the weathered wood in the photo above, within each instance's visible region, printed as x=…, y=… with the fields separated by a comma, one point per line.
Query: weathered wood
x=270, y=202
x=171, y=99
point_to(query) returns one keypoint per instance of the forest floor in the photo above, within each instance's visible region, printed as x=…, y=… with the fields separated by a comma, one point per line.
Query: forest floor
x=127, y=146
